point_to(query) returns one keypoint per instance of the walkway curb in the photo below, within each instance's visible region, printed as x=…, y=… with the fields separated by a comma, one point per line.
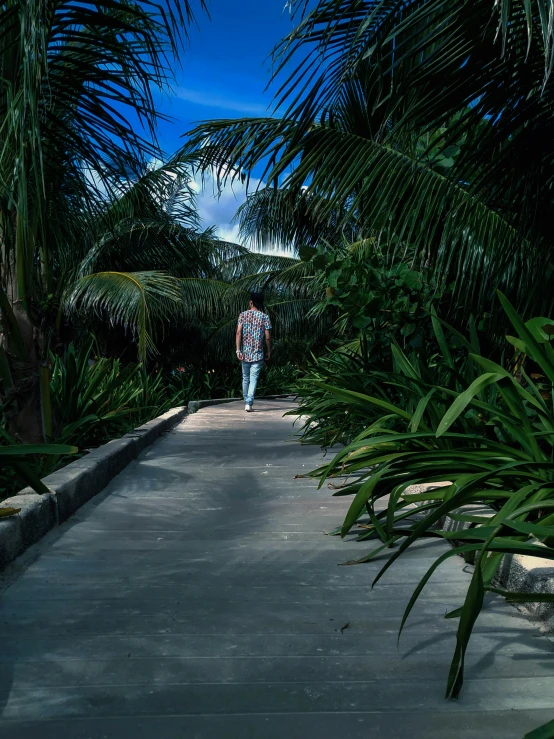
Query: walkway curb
x=517, y=573
x=73, y=486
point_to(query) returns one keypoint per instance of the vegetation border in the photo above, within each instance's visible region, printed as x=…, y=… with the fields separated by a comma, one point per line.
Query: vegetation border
x=76, y=483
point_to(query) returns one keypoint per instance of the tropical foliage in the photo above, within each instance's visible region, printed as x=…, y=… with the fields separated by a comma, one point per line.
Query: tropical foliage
x=78, y=118
x=486, y=428
x=408, y=169
x=409, y=162
x=99, y=229
x=18, y=467
x=406, y=123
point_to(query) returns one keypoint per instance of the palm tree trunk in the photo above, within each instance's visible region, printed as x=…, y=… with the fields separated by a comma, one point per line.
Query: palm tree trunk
x=22, y=342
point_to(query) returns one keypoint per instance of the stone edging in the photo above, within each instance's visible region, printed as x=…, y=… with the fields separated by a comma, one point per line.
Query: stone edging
x=517, y=573
x=73, y=486
x=78, y=482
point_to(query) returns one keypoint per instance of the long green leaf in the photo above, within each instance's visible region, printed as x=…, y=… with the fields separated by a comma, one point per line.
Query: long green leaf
x=360, y=500
x=546, y=731
x=465, y=398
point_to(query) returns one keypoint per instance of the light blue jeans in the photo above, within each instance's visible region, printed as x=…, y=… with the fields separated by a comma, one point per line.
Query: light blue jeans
x=250, y=373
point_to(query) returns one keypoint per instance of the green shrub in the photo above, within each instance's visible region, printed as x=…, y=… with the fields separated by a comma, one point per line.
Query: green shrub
x=93, y=401
x=101, y=399
x=18, y=467
x=278, y=380
x=226, y=381
x=486, y=428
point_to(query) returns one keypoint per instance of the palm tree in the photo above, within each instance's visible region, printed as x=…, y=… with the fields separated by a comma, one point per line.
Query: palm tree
x=283, y=216
x=139, y=250
x=148, y=265
x=210, y=307
x=78, y=119
x=426, y=125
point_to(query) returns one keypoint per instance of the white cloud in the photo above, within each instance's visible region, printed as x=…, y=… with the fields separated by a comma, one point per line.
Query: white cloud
x=218, y=208
x=229, y=234
x=215, y=99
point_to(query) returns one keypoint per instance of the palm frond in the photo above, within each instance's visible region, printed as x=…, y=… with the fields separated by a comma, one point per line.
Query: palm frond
x=77, y=114
x=139, y=244
x=288, y=218
x=163, y=191
x=202, y=300
x=254, y=263
x=378, y=96
x=391, y=194
x=138, y=301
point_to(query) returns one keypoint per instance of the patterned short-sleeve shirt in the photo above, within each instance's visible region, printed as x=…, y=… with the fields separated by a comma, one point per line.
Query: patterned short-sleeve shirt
x=254, y=325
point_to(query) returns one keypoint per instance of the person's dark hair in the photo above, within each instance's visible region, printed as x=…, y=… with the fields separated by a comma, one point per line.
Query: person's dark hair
x=258, y=300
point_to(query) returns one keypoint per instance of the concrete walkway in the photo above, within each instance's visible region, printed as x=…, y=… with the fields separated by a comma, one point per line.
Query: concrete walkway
x=198, y=598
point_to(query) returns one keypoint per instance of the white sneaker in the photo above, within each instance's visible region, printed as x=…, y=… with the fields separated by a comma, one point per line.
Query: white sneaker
x=248, y=408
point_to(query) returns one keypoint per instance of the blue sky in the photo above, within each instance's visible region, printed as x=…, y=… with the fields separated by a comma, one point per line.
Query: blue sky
x=223, y=74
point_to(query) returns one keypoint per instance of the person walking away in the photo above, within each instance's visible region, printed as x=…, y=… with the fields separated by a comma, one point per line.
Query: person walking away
x=253, y=325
